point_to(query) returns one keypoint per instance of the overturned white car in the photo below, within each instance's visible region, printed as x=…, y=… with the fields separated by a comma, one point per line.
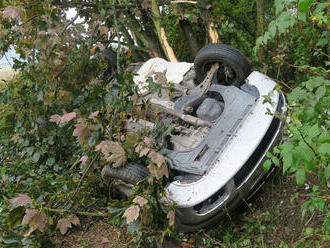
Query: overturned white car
x=218, y=150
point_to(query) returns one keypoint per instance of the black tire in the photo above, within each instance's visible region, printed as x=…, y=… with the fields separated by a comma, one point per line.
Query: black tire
x=131, y=173
x=232, y=62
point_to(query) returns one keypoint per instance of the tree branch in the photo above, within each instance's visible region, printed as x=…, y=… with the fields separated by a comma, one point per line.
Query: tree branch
x=282, y=82
x=61, y=211
x=30, y=19
x=303, y=138
x=297, y=66
x=83, y=177
x=71, y=22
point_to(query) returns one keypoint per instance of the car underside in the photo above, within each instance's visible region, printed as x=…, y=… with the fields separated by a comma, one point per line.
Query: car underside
x=222, y=130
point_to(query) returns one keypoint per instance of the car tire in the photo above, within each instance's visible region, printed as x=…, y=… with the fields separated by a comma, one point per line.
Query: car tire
x=131, y=173
x=234, y=67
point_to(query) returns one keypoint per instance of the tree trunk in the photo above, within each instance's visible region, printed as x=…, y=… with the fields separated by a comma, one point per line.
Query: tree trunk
x=260, y=25
x=137, y=55
x=154, y=49
x=170, y=55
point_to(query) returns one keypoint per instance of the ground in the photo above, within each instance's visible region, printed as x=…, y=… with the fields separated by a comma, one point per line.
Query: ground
x=95, y=233
x=272, y=218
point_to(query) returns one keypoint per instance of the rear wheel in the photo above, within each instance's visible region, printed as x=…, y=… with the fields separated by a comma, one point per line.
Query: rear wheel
x=234, y=67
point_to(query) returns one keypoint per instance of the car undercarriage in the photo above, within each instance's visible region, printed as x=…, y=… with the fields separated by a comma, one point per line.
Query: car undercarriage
x=221, y=133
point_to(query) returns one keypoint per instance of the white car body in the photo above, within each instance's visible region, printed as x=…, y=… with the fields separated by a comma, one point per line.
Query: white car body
x=195, y=206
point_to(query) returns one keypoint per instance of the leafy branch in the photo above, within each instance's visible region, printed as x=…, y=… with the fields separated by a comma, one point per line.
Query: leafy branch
x=298, y=67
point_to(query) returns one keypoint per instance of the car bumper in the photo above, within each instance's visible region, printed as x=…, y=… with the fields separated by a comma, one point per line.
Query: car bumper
x=230, y=196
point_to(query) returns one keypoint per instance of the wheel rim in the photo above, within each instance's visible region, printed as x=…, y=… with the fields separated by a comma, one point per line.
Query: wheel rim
x=226, y=75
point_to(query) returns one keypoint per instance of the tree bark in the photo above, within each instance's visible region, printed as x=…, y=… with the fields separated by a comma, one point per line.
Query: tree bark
x=135, y=27
x=170, y=55
x=213, y=33
x=260, y=25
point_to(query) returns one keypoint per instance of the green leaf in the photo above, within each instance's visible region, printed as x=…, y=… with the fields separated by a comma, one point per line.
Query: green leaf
x=11, y=240
x=276, y=150
x=276, y=161
x=50, y=161
x=284, y=21
x=29, y=150
x=266, y=37
x=310, y=166
x=131, y=140
x=287, y=161
x=309, y=231
x=300, y=176
x=320, y=7
x=259, y=41
x=320, y=91
x=315, y=188
x=36, y=157
x=313, y=131
x=302, y=151
x=326, y=225
x=133, y=227
x=279, y=6
x=317, y=203
x=324, y=148
x=302, y=16
x=272, y=29
x=267, y=165
x=286, y=147
x=312, y=83
x=304, y=5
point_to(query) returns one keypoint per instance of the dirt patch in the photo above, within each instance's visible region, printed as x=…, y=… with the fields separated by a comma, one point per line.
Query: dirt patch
x=95, y=234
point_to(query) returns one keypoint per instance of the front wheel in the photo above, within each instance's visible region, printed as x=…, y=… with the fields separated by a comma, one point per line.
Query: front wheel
x=234, y=67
